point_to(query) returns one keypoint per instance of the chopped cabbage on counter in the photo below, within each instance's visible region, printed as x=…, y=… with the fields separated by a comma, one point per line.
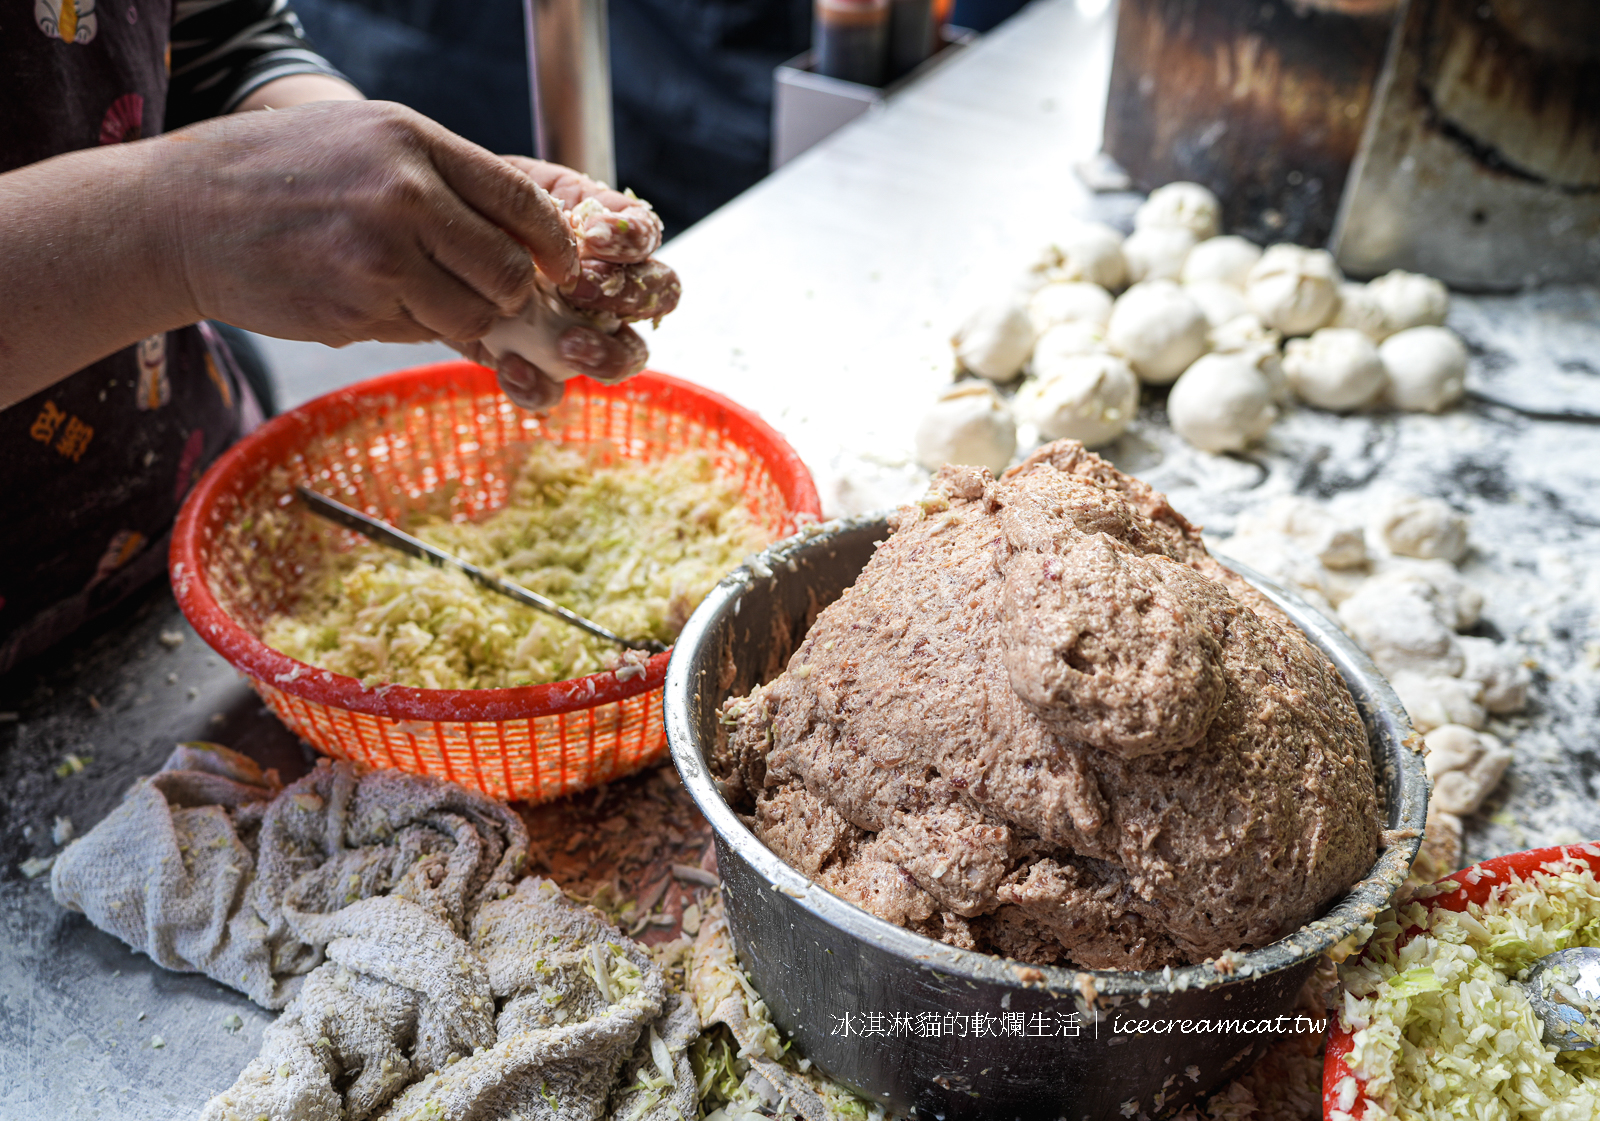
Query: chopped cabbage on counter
x=1440, y=1030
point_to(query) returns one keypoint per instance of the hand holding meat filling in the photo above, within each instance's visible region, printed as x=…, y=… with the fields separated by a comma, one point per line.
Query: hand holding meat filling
x=333, y=222
x=579, y=324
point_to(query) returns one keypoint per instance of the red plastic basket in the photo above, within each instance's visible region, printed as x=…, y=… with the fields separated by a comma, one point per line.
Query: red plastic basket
x=1477, y=884
x=384, y=445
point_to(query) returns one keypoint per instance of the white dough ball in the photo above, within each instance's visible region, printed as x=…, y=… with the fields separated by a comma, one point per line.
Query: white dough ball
x=1337, y=368
x=1427, y=368
x=970, y=425
x=1158, y=329
x=1428, y=528
x=1221, y=403
x=1360, y=310
x=1066, y=340
x=1268, y=362
x=1069, y=301
x=1187, y=206
x=1465, y=765
x=1228, y=259
x=1244, y=332
x=1220, y=303
x=1087, y=397
x=1089, y=251
x=1402, y=629
x=1324, y=587
x=1157, y=252
x=1433, y=701
x=1458, y=602
x=995, y=340
x=1499, y=672
x=1311, y=526
x=1294, y=289
x=1409, y=299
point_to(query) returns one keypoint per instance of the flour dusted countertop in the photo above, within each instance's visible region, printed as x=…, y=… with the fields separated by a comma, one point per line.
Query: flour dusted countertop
x=1531, y=489
x=825, y=297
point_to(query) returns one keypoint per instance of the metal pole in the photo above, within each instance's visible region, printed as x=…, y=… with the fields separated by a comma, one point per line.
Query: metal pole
x=569, y=74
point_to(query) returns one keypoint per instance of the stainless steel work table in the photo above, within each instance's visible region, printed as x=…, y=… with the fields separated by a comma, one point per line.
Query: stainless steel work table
x=824, y=298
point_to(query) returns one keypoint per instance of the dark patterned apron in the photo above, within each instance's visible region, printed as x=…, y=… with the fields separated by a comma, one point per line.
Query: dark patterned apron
x=96, y=466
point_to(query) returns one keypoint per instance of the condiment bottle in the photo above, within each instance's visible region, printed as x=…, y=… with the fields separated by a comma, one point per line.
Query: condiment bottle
x=851, y=41
x=911, y=35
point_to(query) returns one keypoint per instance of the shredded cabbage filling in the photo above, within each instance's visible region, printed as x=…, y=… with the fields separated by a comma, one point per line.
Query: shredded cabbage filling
x=634, y=546
x=1440, y=1029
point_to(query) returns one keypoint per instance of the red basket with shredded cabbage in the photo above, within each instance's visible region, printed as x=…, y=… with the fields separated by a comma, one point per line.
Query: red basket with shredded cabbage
x=1343, y=1091
x=388, y=444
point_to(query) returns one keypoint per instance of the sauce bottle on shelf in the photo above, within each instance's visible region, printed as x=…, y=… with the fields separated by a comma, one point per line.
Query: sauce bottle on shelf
x=911, y=35
x=851, y=40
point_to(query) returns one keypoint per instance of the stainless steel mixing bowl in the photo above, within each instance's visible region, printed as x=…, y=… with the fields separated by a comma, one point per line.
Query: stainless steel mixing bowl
x=913, y=1023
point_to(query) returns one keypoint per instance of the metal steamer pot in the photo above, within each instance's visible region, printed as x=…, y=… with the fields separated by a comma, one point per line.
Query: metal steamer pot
x=915, y=1024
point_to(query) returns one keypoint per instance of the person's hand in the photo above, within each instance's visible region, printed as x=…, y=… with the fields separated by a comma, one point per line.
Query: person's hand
x=337, y=222
x=610, y=225
x=615, y=233
x=607, y=358
x=327, y=221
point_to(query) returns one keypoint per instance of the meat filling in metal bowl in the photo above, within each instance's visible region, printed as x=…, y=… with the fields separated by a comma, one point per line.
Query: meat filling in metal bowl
x=1045, y=723
x=913, y=1020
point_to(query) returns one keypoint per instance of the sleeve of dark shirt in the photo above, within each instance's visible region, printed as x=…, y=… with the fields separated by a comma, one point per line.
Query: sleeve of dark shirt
x=225, y=50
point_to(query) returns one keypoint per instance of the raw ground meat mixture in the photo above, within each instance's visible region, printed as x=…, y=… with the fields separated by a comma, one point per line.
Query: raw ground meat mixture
x=1045, y=723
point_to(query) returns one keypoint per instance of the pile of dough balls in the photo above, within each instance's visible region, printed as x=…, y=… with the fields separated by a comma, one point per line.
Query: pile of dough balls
x=1395, y=587
x=1179, y=303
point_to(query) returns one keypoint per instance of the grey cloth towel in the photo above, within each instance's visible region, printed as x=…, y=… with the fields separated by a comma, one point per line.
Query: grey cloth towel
x=535, y=1020
x=378, y=910
x=207, y=868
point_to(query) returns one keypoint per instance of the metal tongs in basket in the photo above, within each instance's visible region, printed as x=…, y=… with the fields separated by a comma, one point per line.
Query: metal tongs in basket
x=385, y=534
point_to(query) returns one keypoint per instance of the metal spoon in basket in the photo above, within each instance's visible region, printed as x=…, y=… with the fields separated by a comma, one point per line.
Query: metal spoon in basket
x=1564, y=989
x=385, y=534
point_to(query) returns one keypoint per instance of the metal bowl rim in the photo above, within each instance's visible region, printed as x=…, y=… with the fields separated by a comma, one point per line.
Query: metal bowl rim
x=1360, y=905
